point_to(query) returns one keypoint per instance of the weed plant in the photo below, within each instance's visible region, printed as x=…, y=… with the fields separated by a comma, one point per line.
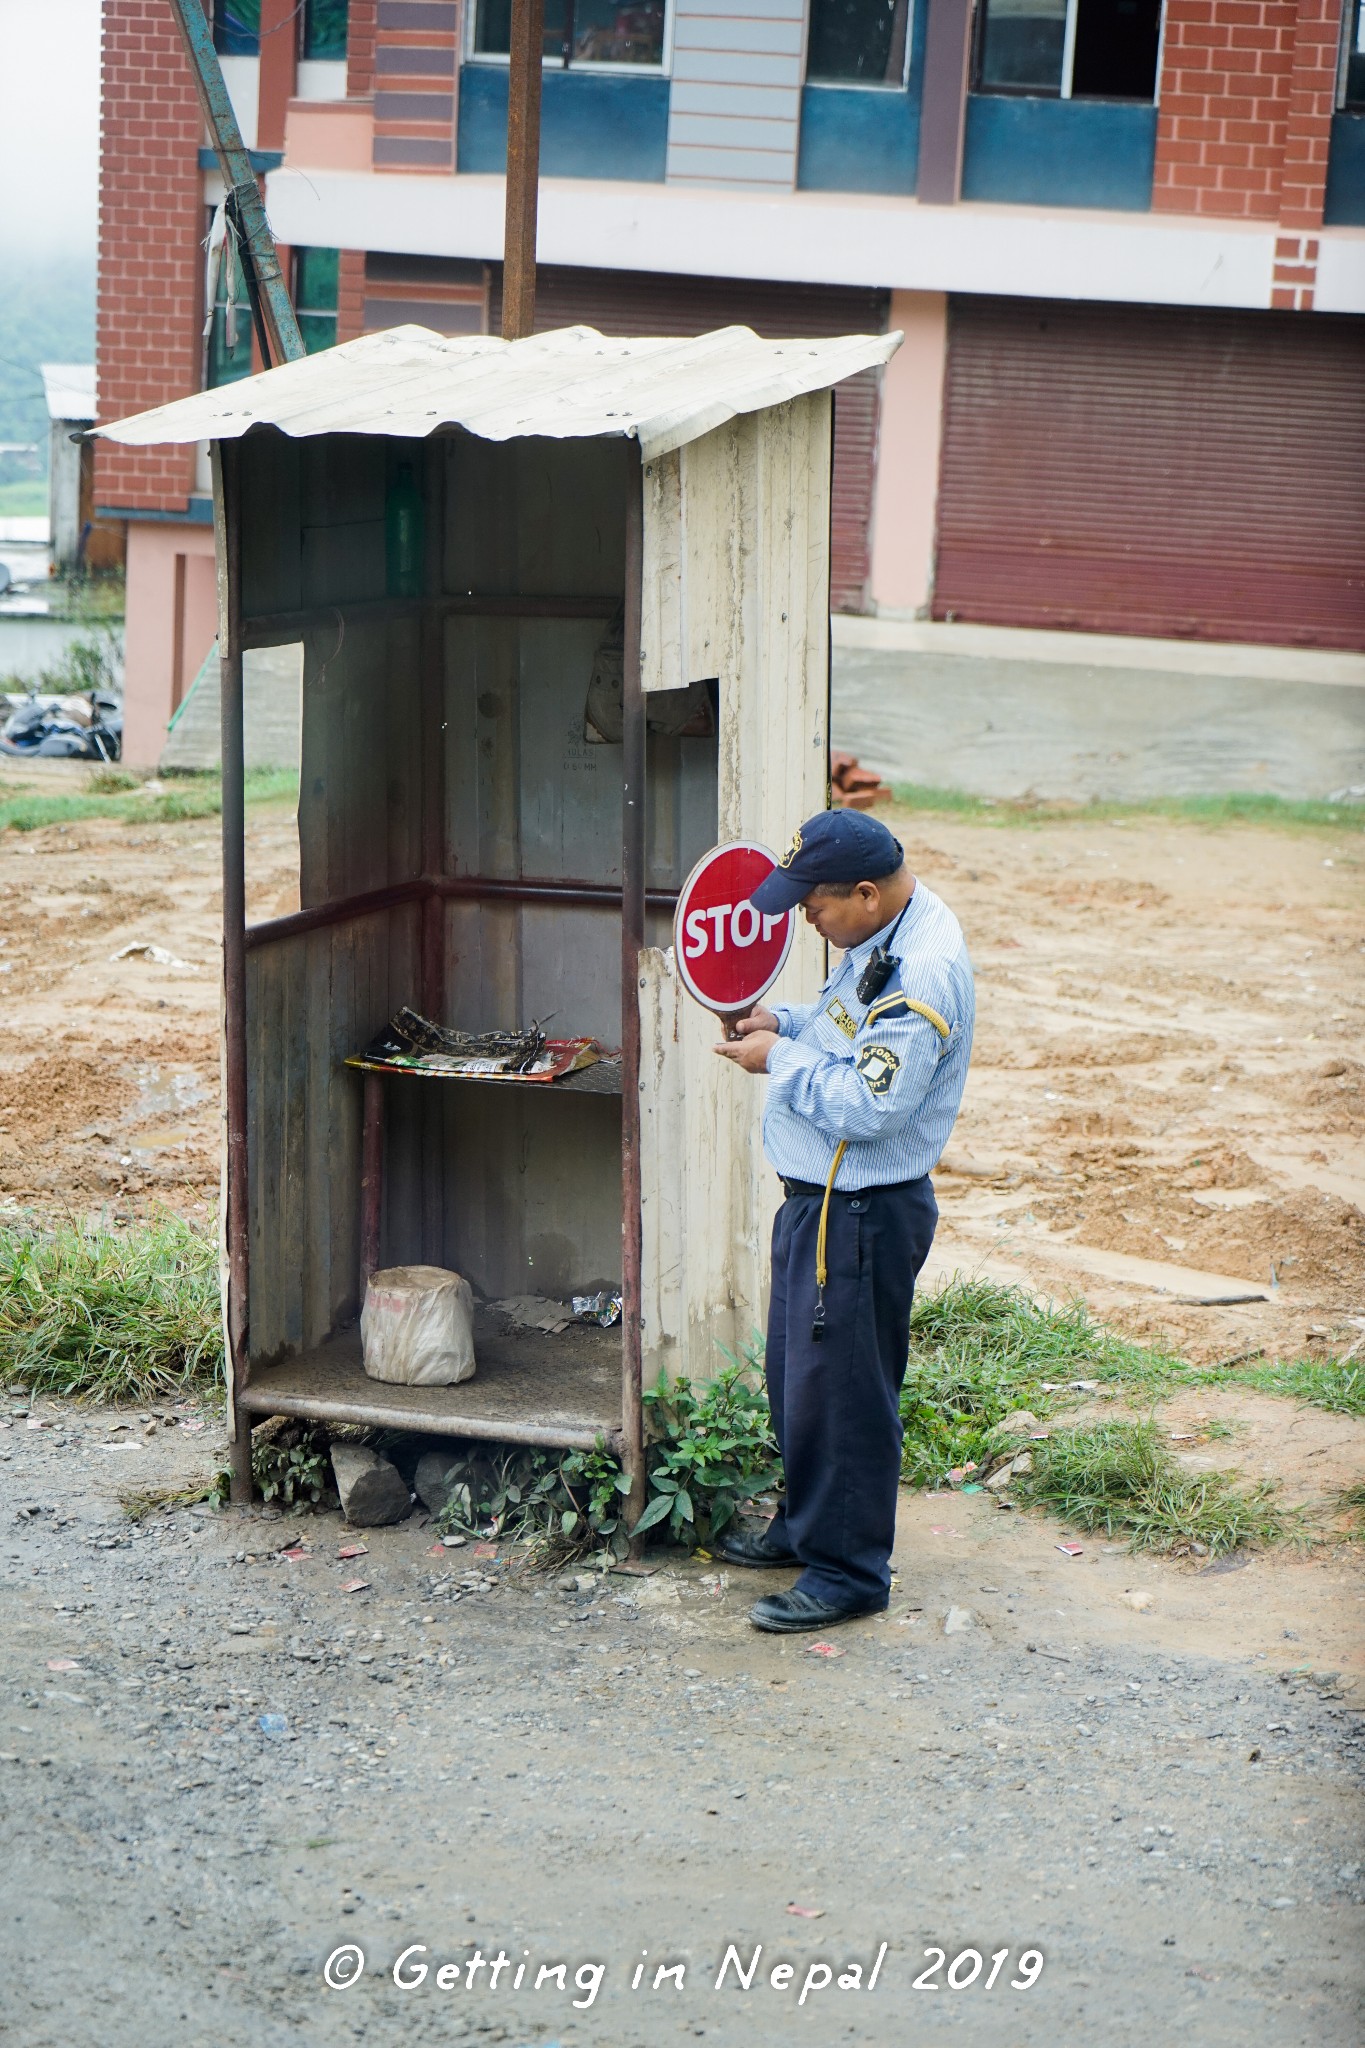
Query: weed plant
x=120, y=796
x=1120, y=1478
x=979, y=1350
x=1237, y=807
x=121, y=1316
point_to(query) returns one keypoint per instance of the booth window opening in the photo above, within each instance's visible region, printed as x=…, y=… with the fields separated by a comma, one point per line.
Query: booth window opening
x=580, y=33
x=860, y=42
x=1069, y=49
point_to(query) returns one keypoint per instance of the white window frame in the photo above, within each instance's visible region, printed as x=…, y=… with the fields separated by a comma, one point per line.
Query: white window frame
x=864, y=84
x=663, y=69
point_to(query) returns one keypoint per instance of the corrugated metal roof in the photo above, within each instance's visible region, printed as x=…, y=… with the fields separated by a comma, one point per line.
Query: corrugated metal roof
x=573, y=383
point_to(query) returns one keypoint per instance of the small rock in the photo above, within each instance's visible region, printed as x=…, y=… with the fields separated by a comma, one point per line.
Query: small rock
x=1331, y=1070
x=1018, y=1423
x=372, y=1490
x=1140, y=1599
x=1001, y=1478
x=568, y=1583
x=431, y=1481
x=585, y=1582
x=958, y=1620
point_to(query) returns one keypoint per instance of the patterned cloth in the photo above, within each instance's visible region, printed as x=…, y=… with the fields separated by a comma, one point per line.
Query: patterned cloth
x=886, y=1076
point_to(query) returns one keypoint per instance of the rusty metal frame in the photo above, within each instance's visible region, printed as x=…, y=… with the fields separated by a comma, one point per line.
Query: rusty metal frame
x=633, y=902
x=236, y=1189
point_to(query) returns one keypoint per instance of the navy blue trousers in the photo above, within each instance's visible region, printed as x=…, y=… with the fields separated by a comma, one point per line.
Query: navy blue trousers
x=835, y=1404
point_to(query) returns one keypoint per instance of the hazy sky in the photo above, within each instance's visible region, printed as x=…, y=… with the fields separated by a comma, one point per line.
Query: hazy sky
x=49, y=126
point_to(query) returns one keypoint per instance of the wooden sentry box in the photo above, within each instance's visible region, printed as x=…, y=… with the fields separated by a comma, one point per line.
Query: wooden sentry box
x=467, y=849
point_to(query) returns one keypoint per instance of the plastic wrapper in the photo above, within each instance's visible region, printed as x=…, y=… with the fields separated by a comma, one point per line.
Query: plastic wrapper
x=603, y=1309
x=417, y=1327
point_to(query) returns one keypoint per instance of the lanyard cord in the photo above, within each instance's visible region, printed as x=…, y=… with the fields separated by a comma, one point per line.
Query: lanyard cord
x=821, y=1270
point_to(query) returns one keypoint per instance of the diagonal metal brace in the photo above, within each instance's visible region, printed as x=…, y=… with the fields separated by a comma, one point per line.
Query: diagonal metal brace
x=276, y=328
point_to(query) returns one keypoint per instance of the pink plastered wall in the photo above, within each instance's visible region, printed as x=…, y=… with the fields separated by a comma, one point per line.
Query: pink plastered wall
x=172, y=620
x=905, y=502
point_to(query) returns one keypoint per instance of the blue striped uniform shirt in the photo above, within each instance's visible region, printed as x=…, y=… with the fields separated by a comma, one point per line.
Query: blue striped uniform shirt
x=886, y=1076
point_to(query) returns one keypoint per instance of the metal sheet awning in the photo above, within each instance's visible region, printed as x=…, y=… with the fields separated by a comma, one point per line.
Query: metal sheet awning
x=573, y=383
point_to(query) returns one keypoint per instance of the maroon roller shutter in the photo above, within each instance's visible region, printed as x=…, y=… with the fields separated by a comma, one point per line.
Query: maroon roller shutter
x=635, y=302
x=1148, y=469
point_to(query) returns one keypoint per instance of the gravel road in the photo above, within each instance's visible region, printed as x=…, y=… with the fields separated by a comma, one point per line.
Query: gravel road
x=1161, y=1802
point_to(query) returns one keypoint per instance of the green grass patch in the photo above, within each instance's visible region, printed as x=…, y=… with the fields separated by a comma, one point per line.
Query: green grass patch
x=978, y=1350
x=119, y=1315
x=1238, y=807
x=1119, y=1478
x=108, y=795
x=24, y=498
x=1330, y=1383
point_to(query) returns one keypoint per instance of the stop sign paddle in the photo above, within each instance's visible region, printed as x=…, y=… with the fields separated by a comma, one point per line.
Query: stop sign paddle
x=728, y=953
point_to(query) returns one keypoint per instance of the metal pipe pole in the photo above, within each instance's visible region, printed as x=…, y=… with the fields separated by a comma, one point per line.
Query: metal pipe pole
x=632, y=944
x=276, y=327
x=228, y=522
x=523, y=170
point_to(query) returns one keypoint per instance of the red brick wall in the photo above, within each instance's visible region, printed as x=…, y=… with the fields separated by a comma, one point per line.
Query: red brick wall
x=360, y=28
x=1245, y=108
x=350, y=294
x=147, y=347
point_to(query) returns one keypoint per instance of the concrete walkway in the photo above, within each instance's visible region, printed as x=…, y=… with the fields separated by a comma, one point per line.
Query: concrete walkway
x=1002, y=713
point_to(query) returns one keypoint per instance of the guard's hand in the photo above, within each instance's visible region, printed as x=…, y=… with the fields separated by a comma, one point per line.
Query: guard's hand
x=751, y=1051
x=758, y=1019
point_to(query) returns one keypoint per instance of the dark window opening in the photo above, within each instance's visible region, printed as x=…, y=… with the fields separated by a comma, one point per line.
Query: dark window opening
x=237, y=28
x=1115, y=54
x=1353, y=59
x=858, y=42
x=324, y=29
x=315, y=296
x=580, y=31
x=1069, y=49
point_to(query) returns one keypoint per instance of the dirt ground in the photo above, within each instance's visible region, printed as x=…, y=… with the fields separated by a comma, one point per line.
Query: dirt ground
x=1146, y=1771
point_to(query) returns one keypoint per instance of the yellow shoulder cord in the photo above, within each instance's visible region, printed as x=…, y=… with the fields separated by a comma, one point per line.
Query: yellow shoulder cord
x=940, y=1024
x=821, y=1269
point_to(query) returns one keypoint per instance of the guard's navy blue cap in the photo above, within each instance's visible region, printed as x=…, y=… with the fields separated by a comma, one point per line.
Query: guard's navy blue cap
x=833, y=846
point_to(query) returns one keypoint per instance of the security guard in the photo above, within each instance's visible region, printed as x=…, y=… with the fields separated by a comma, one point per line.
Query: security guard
x=864, y=1088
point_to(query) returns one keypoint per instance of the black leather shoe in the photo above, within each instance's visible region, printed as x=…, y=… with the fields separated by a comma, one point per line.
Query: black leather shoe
x=790, y=1614
x=751, y=1546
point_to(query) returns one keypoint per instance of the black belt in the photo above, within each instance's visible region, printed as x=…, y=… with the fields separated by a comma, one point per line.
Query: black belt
x=811, y=1187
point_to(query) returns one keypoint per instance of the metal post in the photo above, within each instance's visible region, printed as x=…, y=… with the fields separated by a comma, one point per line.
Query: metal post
x=632, y=943
x=228, y=521
x=523, y=170
x=371, y=1178
x=276, y=327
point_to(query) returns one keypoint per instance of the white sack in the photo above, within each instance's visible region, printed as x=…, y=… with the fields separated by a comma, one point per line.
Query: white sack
x=417, y=1327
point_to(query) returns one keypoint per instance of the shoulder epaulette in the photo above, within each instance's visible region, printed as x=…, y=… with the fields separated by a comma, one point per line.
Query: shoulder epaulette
x=897, y=1004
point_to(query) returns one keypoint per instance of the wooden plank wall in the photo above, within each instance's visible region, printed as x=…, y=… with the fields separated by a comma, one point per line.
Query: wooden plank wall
x=749, y=549
x=532, y=1188
x=313, y=536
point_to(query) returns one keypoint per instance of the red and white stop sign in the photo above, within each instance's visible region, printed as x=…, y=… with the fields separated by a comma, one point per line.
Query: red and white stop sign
x=728, y=953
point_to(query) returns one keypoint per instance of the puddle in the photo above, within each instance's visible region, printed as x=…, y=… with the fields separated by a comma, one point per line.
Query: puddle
x=161, y=1138
x=165, y=1093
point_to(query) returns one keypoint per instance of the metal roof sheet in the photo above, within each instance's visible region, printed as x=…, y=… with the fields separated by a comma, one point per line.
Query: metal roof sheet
x=410, y=382
x=69, y=389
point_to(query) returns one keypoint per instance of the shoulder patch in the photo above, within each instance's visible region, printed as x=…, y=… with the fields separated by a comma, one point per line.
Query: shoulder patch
x=879, y=1067
x=836, y=1012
